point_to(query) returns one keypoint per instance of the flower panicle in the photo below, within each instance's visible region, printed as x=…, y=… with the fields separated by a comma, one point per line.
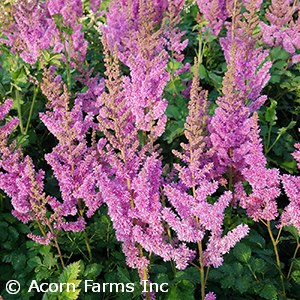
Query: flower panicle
x=192, y=216
x=283, y=29
x=261, y=202
x=291, y=185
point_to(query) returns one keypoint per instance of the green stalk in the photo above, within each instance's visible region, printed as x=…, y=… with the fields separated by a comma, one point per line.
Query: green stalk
x=275, y=243
x=68, y=55
x=19, y=111
x=293, y=258
x=1, y=202
x=88, y=247
x=269, y=148
x=35, y=91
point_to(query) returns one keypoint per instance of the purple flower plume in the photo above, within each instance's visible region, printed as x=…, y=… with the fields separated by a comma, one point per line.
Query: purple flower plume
x=130, y=177
x=20, y=181
x=261, y=202
x=247, y=75
x=283, y=30
x=72, y=160
x=291, y=184
x=34, y=28
x=192, y=216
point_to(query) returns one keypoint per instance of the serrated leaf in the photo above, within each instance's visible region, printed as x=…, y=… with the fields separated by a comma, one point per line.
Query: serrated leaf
x=242, y=252
x=70, y=272
x=257, y=239
x=296, y=276
x=269, y=292
x=279, y=54
x=257, y=265
x=173, y=111
x=202, y=72
x=182, y=290
x=191, y=274
x=33, y=262
x=68, y=278
x=243, y=284
x=174, y=129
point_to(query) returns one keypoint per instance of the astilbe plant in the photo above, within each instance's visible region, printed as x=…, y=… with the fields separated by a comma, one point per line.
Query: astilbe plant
x=291, y=184
x=148, y=76
x=107, y=136
x=69, y=39
x=232, y=126
x=94, y=5
x=215, y=12
x=234, y=129
x=260, y=204
x=38, y=26
x=141, y=48
x=172, y=32
x=283, y=29
x=131, y=184
x=30, y=31
x=72, y=161
x=125, y=19
x=193, y=215
x=20, y=181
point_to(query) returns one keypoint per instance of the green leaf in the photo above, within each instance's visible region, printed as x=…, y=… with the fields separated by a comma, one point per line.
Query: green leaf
x=258, y=265
x=269, y=292
x=296, y=276
x=123, y=275
x=271, y=115
x=92, y=270
x=191, y=274
x=216, y=79
x=33, y=262
x=182, y=290
x=175, y=86
x=243, y=283
x=174, y=129
x=279, y=54
x=173, y=65
x=19, y=76
x=256, y=239
x=173, y=111
x=283, y=130
x=70, y=284
x=202, y=72
x=242, y=252
x=293, y=230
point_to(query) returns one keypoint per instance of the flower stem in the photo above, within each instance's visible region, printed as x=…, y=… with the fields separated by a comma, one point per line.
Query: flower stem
x=59, y=252
x=275, y=243
x=19, y=111
x=275, y=142
x=201, y=264
x=56, y=245
x=145, y=275
x=293, y=258
x=35, y=91
x=88, y=247
x=68, y=64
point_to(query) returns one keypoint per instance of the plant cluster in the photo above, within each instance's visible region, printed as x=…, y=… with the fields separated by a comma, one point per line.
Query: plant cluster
x=143, y=140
